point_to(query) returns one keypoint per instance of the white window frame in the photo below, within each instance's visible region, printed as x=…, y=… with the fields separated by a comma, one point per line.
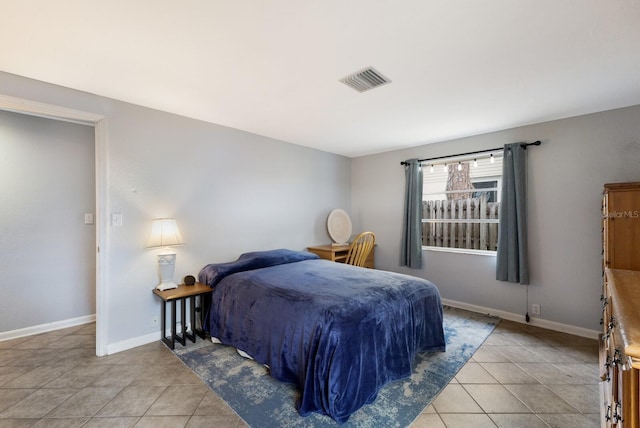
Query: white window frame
x=497, y=189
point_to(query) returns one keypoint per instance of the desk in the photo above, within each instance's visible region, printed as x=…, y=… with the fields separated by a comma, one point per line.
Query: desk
x=338, y=253
x=182, y=293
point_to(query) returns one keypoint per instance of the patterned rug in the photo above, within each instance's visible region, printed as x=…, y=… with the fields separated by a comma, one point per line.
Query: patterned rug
x=264, y=402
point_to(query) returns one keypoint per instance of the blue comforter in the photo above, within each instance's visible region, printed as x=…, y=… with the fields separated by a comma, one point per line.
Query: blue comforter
x=338, y=332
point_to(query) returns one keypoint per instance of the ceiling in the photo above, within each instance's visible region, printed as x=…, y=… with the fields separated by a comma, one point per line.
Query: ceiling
x=458, y=67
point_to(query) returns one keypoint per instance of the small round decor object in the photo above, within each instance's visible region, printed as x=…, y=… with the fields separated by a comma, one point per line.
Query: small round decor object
x=339, y=226
x=189, y=280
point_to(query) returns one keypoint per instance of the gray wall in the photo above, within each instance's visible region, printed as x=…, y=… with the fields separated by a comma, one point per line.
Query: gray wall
x=233, y=191
x=47, y=268
x=566, y=174
x=229, y=190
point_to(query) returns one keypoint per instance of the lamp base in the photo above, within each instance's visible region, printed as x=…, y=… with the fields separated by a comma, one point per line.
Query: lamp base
x=166, y=285
x=166, y=265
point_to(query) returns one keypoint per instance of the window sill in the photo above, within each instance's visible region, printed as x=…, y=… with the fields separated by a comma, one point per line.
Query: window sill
x=461, y=251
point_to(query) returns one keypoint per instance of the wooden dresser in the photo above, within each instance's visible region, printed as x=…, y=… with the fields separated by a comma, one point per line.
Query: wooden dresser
x=621, y=226
x=620, y=349
x=338, y=253
x=620, y=344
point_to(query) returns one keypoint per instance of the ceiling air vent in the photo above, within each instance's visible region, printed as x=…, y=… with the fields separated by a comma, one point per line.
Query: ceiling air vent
x=366, y=79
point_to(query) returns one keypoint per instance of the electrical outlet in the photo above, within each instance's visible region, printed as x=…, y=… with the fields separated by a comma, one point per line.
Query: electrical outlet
x=535, y=309
x=154, y=322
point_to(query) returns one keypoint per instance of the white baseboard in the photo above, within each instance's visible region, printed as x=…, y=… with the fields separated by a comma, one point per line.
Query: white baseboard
x=153, y=337
x=538, y=322
x=134, y=342
x=44, y=328
x=535, y=321
x=58, y=325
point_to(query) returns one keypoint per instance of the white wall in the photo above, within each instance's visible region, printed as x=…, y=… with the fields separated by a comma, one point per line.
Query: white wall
x=229, y=190
x=566, y=174
x=47, y=268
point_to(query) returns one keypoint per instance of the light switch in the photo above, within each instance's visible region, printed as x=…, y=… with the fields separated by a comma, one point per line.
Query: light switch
x=88, y=218
x=116, y=220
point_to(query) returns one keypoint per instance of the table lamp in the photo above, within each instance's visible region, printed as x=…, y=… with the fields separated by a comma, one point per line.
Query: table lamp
x=165, y=233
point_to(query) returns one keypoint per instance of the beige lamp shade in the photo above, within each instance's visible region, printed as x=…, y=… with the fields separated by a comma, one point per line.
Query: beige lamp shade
x=164, y=233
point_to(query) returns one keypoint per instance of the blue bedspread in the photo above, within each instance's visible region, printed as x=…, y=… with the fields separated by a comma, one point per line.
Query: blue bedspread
x=338, y=332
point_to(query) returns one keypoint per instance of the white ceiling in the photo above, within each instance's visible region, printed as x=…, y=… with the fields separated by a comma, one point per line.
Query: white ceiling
x=458, y=67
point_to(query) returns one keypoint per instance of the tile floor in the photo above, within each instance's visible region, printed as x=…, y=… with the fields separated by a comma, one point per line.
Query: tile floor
x=522, y=376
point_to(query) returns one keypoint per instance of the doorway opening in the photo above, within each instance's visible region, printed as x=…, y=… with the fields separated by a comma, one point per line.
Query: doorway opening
x=99, y=123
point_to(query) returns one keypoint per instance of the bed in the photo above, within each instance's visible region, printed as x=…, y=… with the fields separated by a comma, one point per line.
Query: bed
x=338, y=332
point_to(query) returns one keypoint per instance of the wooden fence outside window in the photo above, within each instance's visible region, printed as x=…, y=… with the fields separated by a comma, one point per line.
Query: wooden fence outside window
x=470, y=223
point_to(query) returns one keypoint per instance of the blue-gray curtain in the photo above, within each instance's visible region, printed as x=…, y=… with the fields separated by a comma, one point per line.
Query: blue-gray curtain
x=411, y=251
x=512, y=264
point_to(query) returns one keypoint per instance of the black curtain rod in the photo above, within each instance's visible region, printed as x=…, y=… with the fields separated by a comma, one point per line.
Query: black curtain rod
x=525, y=145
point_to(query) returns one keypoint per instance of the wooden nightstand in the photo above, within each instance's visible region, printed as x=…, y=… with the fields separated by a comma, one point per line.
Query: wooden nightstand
x=182, y=293
x=338, y=253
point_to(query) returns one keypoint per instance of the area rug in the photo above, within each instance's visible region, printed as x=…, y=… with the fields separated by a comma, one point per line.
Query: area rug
x=264, y=402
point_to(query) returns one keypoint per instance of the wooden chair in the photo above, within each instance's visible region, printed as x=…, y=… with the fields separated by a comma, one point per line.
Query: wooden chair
x=360, y=248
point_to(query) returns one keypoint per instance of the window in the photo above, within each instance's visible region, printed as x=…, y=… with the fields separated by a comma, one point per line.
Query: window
x=461, y=205
x=482, y=186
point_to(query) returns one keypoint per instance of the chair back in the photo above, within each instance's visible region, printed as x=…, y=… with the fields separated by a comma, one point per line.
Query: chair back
x=360, y=248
